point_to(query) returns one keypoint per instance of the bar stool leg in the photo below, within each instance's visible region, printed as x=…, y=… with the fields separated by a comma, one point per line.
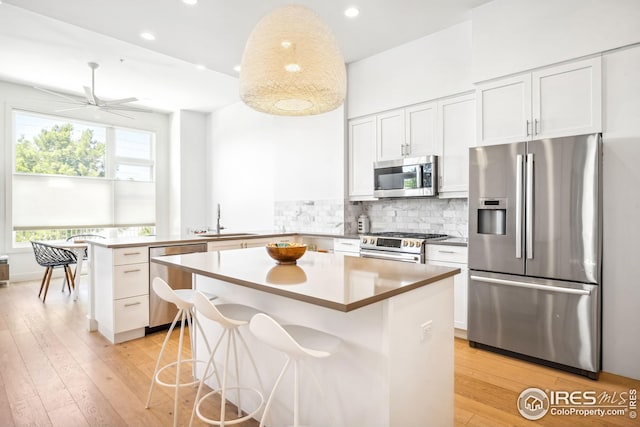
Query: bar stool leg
x=164, y=346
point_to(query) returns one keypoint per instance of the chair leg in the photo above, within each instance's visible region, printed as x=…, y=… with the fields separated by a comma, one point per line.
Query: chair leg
x=164, y=346
x=72, y=278
x=44, y=279
x=46, y=286
x=67, y=275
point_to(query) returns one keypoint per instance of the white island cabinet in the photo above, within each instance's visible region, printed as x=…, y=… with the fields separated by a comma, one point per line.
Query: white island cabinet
x=121, y=291
x=395, y=364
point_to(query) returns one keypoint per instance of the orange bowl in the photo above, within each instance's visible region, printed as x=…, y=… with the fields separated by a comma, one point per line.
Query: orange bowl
x=286, y=253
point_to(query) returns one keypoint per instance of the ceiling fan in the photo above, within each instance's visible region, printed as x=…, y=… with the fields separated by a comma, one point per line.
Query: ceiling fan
x=92, y=101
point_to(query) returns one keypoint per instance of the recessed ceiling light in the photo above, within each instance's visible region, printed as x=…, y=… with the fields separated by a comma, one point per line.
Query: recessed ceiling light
x=351, y=12
x=190, y=2
x=147, y=36
x=236, y=68
x=200, y=67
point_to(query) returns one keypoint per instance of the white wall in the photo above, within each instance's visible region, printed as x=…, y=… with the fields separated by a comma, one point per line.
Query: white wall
x=510, y=36
x=621, y=181
x=257, y=159
x=15, y=96
x=193, y=166
x=431, y=67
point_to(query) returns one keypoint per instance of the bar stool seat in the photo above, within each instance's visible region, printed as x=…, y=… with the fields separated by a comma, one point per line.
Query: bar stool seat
x=230, y=317
x=183, y=299
x=297, y=343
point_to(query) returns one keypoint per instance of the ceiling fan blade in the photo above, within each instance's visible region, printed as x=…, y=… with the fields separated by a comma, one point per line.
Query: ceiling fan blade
x=61, y=95
x=90, y=96
x=119, y=101
x=71, y=109
x=108, y=110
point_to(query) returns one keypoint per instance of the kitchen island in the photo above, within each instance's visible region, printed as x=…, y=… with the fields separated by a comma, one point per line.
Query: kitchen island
x=395, y=365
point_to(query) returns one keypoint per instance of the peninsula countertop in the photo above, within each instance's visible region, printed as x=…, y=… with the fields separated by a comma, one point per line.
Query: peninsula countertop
x=330, y=280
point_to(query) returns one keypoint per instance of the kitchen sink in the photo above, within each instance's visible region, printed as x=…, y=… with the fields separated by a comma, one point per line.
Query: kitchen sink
x=226, y=234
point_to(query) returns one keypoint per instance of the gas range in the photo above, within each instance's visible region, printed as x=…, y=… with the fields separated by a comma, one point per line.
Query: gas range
x=408, y=247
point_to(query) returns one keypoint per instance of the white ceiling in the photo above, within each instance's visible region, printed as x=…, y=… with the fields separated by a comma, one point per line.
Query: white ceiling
x=49, y=43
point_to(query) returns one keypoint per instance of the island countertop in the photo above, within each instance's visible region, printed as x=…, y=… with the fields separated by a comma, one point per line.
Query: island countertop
x=334, y=281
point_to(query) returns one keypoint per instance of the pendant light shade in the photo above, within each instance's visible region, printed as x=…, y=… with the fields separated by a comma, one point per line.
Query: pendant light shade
x=292, y=65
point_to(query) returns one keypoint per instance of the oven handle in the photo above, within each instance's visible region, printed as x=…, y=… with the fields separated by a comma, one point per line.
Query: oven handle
x=390, y=256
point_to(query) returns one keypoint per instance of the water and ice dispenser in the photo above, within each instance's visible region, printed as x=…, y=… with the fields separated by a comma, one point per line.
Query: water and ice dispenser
x=492, y=216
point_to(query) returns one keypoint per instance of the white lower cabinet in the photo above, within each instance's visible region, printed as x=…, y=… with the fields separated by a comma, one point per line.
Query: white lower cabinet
x=453, y=256
x=121, y=292
x=245, y=243
x=348, y=247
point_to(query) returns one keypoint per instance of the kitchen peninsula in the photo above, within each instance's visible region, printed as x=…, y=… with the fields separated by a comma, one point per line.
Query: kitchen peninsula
x=395, y=364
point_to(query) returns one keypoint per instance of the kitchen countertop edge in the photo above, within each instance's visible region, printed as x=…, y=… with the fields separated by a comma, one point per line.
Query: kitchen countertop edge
x=310, y=299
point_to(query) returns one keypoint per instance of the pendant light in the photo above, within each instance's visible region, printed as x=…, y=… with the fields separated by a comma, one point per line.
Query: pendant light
x=292, y=65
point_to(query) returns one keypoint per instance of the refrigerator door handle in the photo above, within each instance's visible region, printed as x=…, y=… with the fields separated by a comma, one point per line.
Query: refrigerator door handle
x=529, y=208
x=531, y=285
x=519, y=206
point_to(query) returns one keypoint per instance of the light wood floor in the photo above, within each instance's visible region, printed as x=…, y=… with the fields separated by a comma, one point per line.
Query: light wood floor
x=55, y=373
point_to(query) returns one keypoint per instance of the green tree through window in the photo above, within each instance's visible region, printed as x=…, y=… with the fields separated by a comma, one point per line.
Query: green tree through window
x=55, y=151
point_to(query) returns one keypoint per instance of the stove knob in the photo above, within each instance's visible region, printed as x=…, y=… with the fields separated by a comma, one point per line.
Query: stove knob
x=405, y=243
x=411, y=244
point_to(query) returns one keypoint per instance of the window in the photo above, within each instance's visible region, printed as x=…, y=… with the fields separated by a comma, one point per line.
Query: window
x=71, y=177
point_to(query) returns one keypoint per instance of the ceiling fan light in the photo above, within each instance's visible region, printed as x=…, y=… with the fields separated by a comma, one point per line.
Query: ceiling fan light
x=292, y=65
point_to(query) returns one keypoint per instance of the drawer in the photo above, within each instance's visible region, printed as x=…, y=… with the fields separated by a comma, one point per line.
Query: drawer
x=131, y=313
x=346, y=245
x=446, y=253
x=130, y=255
x=130, y=280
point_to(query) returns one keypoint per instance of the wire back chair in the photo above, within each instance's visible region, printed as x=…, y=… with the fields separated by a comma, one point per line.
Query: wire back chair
x=51, y=257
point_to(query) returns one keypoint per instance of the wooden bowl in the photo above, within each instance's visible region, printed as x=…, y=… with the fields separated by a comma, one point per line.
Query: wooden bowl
x=286, y=253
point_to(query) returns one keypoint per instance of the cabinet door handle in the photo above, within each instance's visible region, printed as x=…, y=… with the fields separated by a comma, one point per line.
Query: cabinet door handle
x=131, y=253
x=132, y=271
x=535, y=127
x=131, y=304
x=528, y=131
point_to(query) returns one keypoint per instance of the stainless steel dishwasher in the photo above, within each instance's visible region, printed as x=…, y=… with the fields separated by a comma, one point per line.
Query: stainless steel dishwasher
x=161, y=313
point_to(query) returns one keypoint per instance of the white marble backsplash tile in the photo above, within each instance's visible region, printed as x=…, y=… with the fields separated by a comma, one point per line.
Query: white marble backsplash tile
x=447, y=216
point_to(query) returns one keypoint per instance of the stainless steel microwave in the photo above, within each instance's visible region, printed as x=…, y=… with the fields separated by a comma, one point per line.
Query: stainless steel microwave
x=406, y=177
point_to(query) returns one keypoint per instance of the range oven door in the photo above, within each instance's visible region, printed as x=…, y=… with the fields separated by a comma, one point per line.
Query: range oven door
x=405, y=177
x=394, y=256
x=552, y=320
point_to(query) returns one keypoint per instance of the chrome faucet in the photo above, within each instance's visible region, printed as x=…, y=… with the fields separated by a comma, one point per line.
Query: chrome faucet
x=218, y=226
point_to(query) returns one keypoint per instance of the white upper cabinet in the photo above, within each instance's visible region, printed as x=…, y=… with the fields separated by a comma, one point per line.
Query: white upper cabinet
x=421, y=130
x=504, y=109
x=556, y=101
x=407, y=132
x=567, y=99
x=362, y=154
x=457, y=132
x=391, y=135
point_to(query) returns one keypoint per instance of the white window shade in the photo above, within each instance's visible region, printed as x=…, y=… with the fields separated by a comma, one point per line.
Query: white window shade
x=48, y=201
x=135, y=203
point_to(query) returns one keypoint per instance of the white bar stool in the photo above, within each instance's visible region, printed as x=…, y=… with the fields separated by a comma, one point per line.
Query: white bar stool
x=297, y=342
x=230, y=317
x=183, y=299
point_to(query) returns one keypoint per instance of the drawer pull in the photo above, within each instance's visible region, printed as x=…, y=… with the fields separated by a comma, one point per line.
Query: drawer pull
x=446, y=252
x=131, y=253
x=132, y=271
x=346, y=244
x=131, y=304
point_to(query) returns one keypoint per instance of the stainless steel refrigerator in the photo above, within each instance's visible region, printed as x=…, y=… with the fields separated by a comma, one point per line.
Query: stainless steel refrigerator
x=535, y=251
